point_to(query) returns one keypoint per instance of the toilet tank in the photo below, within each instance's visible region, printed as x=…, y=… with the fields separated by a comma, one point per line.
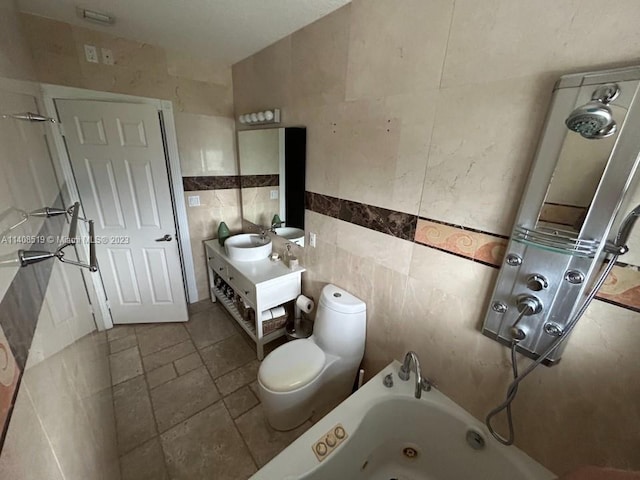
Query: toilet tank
x=341, y=323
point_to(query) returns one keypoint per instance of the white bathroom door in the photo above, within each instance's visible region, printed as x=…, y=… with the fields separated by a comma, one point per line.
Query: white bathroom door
x=118, y=159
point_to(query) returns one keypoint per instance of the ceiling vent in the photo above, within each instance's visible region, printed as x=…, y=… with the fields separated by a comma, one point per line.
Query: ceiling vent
x=95, y=17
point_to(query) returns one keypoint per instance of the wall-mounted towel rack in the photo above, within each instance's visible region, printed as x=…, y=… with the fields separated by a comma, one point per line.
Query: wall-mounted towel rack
x=29, y=117
x=29, y=257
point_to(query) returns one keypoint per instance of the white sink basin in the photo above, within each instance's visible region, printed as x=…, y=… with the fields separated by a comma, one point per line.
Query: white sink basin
x=293, y=234
x=248, y=247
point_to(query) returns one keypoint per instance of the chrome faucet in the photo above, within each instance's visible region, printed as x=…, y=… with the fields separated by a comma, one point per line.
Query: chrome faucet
x=411, y=358
x=275, y=225
x=262, y=232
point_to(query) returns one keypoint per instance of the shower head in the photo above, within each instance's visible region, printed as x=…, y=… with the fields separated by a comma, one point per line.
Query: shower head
x=595, y=119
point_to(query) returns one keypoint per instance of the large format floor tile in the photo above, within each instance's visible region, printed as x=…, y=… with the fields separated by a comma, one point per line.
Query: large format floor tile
x=134, y=417
x=191, y=410
x=168, y=355
x=161, y=375
x=123, y=343
x=188, y=363
x=207, y=446
x=240, y=401
x=227, y=355
x=160, y=337
x=210, y=326
x=263, y=441
x=146, y=462
x=181, y=397
x=125, y=365
x=237, y=378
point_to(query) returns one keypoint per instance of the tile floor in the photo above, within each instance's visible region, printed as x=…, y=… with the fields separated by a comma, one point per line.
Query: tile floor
x=186, y=401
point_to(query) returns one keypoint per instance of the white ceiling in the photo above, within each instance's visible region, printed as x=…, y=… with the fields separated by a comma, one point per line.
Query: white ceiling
x=224, y=31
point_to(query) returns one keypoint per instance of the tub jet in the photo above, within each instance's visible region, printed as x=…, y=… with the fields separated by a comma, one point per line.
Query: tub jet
x=410, y=452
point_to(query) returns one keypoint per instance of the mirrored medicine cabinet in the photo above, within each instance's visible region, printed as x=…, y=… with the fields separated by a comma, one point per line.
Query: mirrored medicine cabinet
x=272, y=178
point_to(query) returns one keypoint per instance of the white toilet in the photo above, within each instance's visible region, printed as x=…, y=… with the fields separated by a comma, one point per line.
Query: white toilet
x=312, y=375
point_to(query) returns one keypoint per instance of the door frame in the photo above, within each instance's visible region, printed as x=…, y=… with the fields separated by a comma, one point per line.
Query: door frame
x=50, y=93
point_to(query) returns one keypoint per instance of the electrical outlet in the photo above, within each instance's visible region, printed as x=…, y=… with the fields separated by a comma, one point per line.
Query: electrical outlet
x=194, y=200
x=274, y=194
x=107, y=56
x=91, y=54
x=312, y=239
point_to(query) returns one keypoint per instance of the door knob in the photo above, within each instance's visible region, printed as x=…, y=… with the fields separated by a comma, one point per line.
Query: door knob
x=166, y=238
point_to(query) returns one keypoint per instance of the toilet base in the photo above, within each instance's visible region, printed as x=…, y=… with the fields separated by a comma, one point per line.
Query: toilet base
x=287, y=410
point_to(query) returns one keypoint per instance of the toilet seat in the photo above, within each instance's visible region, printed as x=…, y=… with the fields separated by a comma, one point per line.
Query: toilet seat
x=291, y=366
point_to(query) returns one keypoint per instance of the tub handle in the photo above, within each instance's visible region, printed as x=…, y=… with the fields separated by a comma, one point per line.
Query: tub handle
x=426, y=384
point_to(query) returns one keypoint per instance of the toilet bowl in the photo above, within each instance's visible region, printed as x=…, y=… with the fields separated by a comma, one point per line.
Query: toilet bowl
x=311, y=375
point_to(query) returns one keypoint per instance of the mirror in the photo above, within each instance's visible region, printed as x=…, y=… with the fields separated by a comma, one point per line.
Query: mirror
x=272, y=179
x=576, y=177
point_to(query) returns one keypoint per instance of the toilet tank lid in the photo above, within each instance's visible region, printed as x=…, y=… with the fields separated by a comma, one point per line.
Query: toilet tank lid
x=340, y=300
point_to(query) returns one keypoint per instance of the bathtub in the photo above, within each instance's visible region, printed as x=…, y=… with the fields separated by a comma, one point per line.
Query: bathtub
x=391, y=435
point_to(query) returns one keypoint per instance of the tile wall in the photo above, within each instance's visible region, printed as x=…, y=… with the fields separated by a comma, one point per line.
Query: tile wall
x=201, y=93
x=56, y=404
x=422, y=118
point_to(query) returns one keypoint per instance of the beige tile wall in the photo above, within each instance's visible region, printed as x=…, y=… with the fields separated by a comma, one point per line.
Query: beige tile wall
x=215, y=206
x=15, y=55
x=257, y=205
x=434, y=107
x=201, y=93
x=62, y=425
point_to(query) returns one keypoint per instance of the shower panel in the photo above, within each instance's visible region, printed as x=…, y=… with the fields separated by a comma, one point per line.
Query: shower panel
x=570, y=213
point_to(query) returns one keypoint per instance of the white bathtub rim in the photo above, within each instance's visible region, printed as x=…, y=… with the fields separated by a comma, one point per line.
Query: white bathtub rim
x=351, y=413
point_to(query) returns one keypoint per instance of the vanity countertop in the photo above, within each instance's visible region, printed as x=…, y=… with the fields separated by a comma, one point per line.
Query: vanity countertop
x=258, y=271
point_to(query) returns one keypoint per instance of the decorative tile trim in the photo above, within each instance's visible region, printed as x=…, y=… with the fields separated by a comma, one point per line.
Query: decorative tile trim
x=191, y=184
x=323, y=204
x=474, y=245
x=622, y=287
x=249, y=181
x=397, y=224
x=226, y=182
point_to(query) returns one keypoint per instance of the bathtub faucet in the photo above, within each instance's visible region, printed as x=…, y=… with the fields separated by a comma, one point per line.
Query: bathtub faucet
x=411, y=358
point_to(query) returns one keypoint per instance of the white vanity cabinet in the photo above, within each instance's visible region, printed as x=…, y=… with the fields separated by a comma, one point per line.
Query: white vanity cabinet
x=263, y=284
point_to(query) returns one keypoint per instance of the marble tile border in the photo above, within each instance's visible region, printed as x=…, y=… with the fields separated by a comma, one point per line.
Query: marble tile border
x=397, y=224
x=622, y=287
x=226, y=182
x=191, y=184
x=250, y=181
